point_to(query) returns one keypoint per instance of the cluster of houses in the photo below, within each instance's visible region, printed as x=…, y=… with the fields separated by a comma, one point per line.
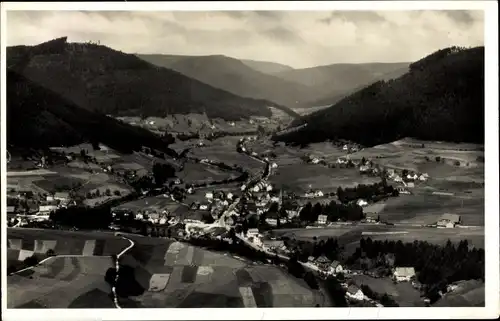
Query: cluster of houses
x=449, y=220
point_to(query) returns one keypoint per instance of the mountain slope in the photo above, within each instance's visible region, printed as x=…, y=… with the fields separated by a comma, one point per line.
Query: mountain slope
x=108, y=81
x=266, y=66
x=236, y=77
x=440, y=98
x=40, y=118
x=336, y=81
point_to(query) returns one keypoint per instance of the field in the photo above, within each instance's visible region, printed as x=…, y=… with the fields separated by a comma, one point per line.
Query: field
x=104, y=155
x=427, y=208
x=152, y=204
x=350, y=235
x=325, y=150
x=200, y=173
x=62, y=282
x=403, y=293
x=298, y=177
x=180, y=275
x=468, y=294
x=228, y=155
x=408, y=154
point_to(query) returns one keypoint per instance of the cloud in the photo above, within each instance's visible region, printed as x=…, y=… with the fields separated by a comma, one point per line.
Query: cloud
x=296, y=38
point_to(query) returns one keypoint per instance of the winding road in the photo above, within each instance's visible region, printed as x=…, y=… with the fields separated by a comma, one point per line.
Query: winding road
x=117, y=266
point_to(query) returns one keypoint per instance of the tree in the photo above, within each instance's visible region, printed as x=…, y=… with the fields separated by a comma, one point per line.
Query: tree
x=50, y=252
x=117, y=193
x=97, y=193
x=108, y=192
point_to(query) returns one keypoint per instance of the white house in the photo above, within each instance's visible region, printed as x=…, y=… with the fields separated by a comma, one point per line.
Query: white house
x=254, y=154
x=449, y=220
x=243, y=187
x=256, y=188
x=318, y=194
x=209, y=195
x=190, y=190
x=345, y=147
x=61, y=196
x=403, y=273
x=203, y=207
x=355, y=293
x=335, y=267
x=315, y=161
x=252, y=232
x=364, y=169
x=322, y=219
x=229, y=196
x=274, y=165
x=361, y=202
x=275, y=199
x=422, y=178
x=269, y=188
x=46, y=208
x=410, y=185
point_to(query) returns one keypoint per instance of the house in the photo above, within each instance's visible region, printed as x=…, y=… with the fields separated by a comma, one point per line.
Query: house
x=372, y=217
x=61, y=196
x=269, y=188
x=229, y=196
x=274, y=165
x=310, y=259
x=42, y=209
x=252, y=232
x=345, y=147
x=403, y=190
x=322, y=219
x=315, y=160
x=309, y=194
x=354, y=293
x=449, y=220
x=323, y=262
x=243, y=187
x=403, y=273
x=361, y=202
x=190, y=190
x=422, y=178
x=335, y=267
x=11, y=210
x=410, y=185
x=318, y=194
x=364, y=169
x=209, y=196
x=256, y=188
x=204, y=207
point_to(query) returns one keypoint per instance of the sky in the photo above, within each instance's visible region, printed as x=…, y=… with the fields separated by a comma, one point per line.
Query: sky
x=299, y=39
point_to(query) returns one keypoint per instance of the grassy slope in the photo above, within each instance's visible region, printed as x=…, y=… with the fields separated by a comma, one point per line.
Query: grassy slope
x=99, y=78
x=441, y=98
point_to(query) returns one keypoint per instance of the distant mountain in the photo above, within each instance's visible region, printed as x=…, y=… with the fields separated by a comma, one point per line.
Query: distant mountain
x=334, y=82
x=40, y=118
x=237, y=77
x=101, y=79
x=266, y=66
x=440, y=98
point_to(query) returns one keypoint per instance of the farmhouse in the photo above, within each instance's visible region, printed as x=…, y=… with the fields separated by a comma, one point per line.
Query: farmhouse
x=410, y=185
x=11, y=210
x=403, y=273
x=318, y=194
x=364, y=169
x=43, y=209
x=449, y=220
x=335, y=267
x=354, y=293
x=322, y=219
x=209, y=195
x=274, y=165
x=61, y=196
x=403, y=190
x=372, y=217
x=361, y=202
x=252, y=232
x=315, y=160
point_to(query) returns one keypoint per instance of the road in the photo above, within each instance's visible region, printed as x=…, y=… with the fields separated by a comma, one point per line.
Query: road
x=117, y=265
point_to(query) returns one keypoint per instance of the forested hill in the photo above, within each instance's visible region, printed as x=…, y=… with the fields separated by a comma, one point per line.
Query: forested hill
x=101, y=79
x=40, y=118
x=440, y=98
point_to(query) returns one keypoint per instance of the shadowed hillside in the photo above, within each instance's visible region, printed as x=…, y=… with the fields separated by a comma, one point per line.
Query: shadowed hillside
x=101, y=79
x=266, y=66
x=236, y=77
x=40, y=118
x=333, y=82
x=440, y=98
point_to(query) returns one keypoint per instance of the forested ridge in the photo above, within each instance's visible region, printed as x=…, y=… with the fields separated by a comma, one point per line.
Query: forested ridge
x=440, y=98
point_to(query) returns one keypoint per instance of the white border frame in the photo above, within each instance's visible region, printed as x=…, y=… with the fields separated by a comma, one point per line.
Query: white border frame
x=491, y=310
